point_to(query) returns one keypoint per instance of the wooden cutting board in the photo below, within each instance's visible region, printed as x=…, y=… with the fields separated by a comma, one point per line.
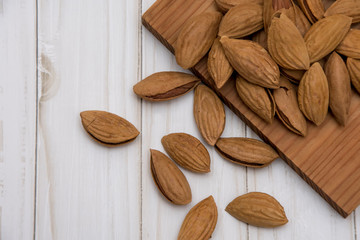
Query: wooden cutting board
x=328, y=158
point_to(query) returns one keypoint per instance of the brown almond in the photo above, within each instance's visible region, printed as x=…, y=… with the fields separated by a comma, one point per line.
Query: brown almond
x=164, y=86
x=169, y=179
x=287, y=108
x=353, y=66
x=313, y=9
x=242, y=20
x=313, y=94
x=252, y=62
x=200, y=221
x=257, y=98
x=325, y=35
x=218, y=66
x=295, y=14
x=350, y=46
x=350, y=8
x=246, y=152
x=107, y=128
x=226, y=5
x=258, y=209
x=292, y=75
x=272, y=6
x=196, y=37
x=209, y=114
x=187, y=151
x=339, y=87
x=288, y=47
x=260, y=37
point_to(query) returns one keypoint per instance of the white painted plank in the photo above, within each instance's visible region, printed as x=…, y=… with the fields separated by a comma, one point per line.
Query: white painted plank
x=310, y=216
x=161, y=219
x=17, y=118
x=89, y=61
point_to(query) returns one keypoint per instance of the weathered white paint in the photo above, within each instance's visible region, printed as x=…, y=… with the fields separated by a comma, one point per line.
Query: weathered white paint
x=89, y=60
x=17, y=118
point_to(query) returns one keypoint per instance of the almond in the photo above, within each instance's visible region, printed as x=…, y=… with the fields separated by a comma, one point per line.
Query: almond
x=169, y=179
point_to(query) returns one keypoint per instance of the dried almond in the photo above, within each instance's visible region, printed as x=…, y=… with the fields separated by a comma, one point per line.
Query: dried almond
x=246, y=152
x=242, y=20
x=313, y=9
x=258, y=209
x=288, y=47
x=257, y=98
x=218, y=66
x=209, y=114
x=196, y=37
x=295, y=14
x=252, y=62
x=107, y=128
x=313, y=94
x=226, y=5
x=350, y=8
x=353, y=66
x=187, y=151
x=272, y=6
x=339, y=87
x=287, y=108
x=164, y=86
x=292, y=75
x=325, y=35
x=260, y=37
x=350, y=46
x=169, y=179
x=200, y=221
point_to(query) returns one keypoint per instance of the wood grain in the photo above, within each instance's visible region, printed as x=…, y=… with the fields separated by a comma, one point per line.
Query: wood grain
x=327, y=159
x=88, y=60
x=17, y=118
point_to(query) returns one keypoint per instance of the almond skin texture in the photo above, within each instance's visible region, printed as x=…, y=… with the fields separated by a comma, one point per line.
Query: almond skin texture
x=257, y=209
x=226, y=5
x=169, y=179
x=200, y=221
x=260, y=37
x=272, y=6
x=325, y=35
x=246, y=152
x=241, y=21
x=288, y=47
x=164, y=86
x=350, y=46
x=187, y=151
x=107, y=128
x=353, y=66
x=218, y=66
x=209, y=114
x=350, y=8
x=313, y=94
x=313, y=9
x=252, y=62
x=196, y=37
x=257, y=98
x=287, y=108
x=295, y=14
x=339, y=87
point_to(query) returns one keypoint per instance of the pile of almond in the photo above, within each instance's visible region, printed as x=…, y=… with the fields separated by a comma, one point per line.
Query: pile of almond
x=292, y=59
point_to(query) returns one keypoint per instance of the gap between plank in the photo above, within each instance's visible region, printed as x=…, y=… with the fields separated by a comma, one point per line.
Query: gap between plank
x=37, y=111
x=139, y=72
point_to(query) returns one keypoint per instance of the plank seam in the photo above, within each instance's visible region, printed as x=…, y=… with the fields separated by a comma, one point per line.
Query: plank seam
x=355, y=233
x=140, y=54
x=37, y=112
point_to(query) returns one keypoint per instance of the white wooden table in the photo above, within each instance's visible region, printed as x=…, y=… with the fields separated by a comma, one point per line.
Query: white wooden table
x=60, y=57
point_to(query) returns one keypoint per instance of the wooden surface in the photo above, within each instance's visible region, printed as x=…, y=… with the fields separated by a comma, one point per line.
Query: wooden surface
x=57, y=183
x=328, y=158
